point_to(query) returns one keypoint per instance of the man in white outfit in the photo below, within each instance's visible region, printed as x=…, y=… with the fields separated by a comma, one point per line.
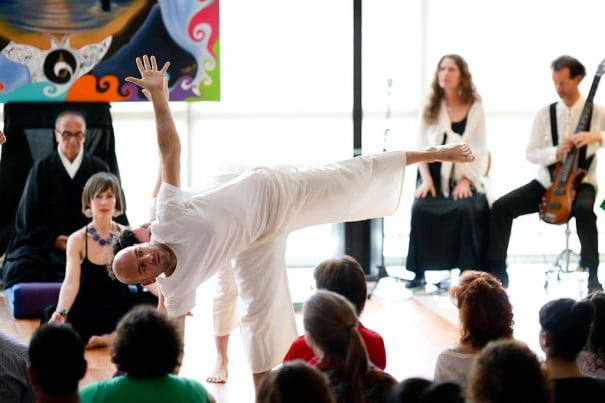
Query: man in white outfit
x=248, y=219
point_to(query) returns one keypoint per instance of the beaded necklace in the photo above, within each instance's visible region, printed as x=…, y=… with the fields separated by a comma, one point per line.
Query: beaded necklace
x=97, y=238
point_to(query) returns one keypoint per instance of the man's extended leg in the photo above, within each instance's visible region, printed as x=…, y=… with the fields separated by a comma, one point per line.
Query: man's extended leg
x=586, y=226
x=226, y=318
x=349, y=190
x=521, y=201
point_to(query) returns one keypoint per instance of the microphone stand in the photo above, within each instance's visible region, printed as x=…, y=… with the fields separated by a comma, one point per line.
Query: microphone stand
x=382, y=270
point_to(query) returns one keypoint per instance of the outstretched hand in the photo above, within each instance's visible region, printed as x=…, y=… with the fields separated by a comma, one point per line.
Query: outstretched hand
x=153, y=80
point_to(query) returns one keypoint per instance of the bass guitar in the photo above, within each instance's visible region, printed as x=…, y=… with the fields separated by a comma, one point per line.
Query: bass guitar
x=557, y=202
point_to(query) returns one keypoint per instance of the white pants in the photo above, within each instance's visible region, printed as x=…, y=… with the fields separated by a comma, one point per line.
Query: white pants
x=350, y=190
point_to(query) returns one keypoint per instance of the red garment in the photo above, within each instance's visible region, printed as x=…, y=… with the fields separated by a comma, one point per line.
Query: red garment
x=299, y=350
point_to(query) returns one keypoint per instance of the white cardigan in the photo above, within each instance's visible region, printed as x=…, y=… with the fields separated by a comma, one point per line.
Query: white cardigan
x=474, y=135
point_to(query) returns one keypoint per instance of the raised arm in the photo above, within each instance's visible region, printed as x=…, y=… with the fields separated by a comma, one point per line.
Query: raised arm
x=155, y=87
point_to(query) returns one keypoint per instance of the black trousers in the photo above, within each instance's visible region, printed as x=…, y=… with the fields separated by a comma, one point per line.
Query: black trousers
x=525, y=200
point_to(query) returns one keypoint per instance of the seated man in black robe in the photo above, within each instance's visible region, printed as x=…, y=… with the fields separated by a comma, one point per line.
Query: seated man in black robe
x=50, y=207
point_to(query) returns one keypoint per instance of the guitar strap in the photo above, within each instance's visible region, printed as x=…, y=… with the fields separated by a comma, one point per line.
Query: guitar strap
x=584, y=162
x=555, y=135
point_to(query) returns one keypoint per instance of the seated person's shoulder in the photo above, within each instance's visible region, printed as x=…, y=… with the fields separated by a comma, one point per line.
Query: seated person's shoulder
x=369, y=333
x=77, y=237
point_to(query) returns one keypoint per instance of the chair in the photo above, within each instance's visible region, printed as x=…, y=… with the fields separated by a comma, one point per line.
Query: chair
x=562, y=263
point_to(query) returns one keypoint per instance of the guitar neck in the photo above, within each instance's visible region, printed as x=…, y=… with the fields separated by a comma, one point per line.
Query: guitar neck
x=584, y=122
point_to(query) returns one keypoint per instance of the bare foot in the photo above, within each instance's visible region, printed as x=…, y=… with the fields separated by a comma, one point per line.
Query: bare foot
x=103, y=340
x=457, y=152
x=219, y=374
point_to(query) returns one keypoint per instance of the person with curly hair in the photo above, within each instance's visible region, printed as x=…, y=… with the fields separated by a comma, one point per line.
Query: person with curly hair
x=507, y=371
x=485, y=314
x=591, y=360
x=148, y=348
x=450, y=196
x=565, y=326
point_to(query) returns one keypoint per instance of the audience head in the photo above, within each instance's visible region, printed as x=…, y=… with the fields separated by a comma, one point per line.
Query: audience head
x=147, y=344
x=295, y=382
x=565, y=327
x=507, y=371
x=70, y=132
x=96, y=185
x=420, y=390
x=466, y=88
x=56, y=357
x=127, y=238
x=343, y=276
x=330, y=324
x=596, y=338
x=484, y=309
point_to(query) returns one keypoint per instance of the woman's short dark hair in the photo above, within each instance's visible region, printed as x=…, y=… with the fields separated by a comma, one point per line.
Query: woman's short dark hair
x=147, y=344
x=101, y=182
x=343, y=276
x=484, y=308
x=567, y=321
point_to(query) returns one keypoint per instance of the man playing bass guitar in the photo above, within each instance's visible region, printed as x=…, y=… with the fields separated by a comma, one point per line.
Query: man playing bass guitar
x=546, y=149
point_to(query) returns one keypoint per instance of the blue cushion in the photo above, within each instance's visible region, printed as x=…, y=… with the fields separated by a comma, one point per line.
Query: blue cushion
x=28, y=300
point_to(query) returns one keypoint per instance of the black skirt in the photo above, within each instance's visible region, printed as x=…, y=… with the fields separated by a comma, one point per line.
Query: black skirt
x=447, y=234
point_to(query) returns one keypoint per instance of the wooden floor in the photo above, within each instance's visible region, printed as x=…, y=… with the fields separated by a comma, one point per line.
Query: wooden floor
x=415, y=328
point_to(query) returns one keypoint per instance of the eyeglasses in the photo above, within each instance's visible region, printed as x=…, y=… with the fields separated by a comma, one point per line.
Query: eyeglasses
x=66, y=134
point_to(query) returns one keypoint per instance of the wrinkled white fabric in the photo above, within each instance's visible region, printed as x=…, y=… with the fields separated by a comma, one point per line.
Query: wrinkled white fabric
x=248, y=218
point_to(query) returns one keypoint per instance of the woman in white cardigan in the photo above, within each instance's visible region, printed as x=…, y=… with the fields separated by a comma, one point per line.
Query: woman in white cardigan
x=450, y=210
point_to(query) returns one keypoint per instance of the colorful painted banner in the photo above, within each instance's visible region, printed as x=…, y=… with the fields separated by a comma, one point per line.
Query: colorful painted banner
x=81, y=50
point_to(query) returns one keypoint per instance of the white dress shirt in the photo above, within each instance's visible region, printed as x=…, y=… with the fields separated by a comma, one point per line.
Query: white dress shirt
x=540, y=149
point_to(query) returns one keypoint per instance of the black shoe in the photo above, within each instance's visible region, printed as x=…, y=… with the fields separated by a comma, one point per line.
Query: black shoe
x=594, y=285
x=415, y=283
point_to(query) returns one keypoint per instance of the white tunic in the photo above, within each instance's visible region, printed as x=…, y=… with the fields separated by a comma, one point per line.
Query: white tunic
x=248, y=218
